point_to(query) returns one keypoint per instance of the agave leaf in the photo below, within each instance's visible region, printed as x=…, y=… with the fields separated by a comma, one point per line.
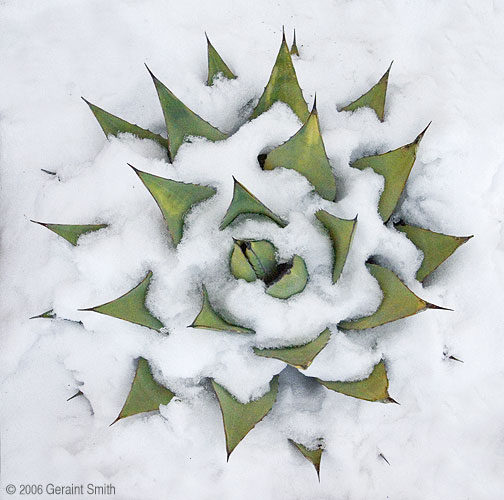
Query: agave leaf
x=216, y=65
x=283, y=86
x=312, y=455
x=71, y=232
x=145, y=394
x=181, y=122
x=48, y=314
x=239, y=419
x=294, y=49
x=436, y=247
x=174, y=199
x=290, y=282
x=300, y=356
x=244, y=202
x=211, y=320
x=398, y=302
x=372, y=388
x=240, y=266
x=131, y=306
x=305, y=153
x=374, y=98
x=113, y=125
x=395, y=166
x=341, y=232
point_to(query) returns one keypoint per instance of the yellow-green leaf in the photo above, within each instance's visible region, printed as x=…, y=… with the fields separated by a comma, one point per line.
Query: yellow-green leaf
x=293, y=280
x=395, y=166
x=216, y=65
x=239, y=264
x=436, y=247
x=305, y=153
x=240, y=418
x=174, y=199
x=145, y=394
x=258, y=256
x=372, y=388
x=294, y=49
x=71, y=232
x=244, y=202
x=131, y=306
x=283, y=86
x=341, y=232
x=312, y=455
x=300, y=356
x=209, y=319
x=181, y=122
x=47, y=315
x=113, y=125
x=398, y=302
x=374, y=98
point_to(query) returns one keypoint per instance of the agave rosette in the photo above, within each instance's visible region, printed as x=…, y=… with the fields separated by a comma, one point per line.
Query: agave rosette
x=257, y=261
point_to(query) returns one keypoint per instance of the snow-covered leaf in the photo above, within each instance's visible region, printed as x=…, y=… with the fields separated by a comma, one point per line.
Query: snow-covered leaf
x=300, y=356
x=305, y=153
x=240, y=418
x=244, y=202
x=341, y=232
x=131, y=306
x=283, y=86
x=209, y=319
x=174, y=199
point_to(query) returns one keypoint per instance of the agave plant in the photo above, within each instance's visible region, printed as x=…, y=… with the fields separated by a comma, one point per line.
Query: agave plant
x=254, y=260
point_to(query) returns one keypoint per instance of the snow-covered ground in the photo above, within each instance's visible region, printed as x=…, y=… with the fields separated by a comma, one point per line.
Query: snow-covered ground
x=444, y=441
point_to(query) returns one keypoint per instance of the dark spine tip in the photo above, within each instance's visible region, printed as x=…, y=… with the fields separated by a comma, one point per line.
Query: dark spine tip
x=150, y=72
x=294, y=38
x=283, y=34
x=392, y=400
x=428, y=305
x=116, y=420
x=389, y=68
x=314, y=108
x=422, y=133
x=86, y=101
x=207, y=39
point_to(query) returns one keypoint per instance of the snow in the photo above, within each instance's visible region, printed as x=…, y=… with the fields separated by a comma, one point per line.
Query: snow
x=445, y=439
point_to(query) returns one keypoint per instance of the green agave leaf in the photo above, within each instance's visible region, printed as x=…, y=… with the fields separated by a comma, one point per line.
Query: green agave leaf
x=283, y=86
x=341, y=232
x=294, y=49
x=240, y=266
x=48, y=314
x=244, y=202
x=290, y=282
x=300, y=356
x=174, y=199
x=312, y=455
x=395, y=166
x=436, y=247
x=239, y=419
x=373, y=388
x=181, y=122
x=145, y=394
x=71, y=232
x=257, y=260
x=374, y=98
x=113, y=125
x=398, y=302
x=216, y=65
x=211, y=320
x=131, y=306
x=305, y=153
